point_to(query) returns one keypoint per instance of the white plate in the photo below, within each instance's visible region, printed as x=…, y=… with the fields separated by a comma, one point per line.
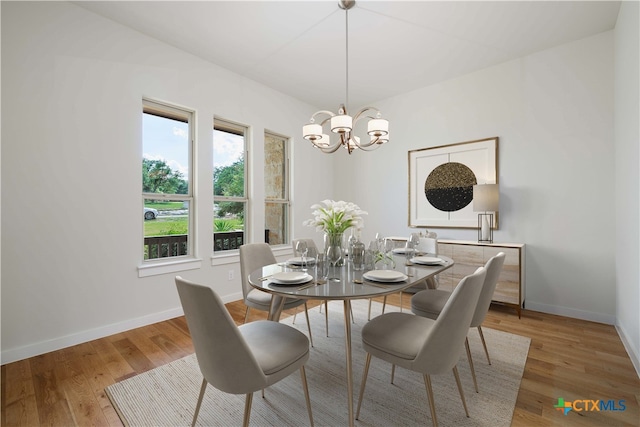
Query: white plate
x=403, y=250
x=427, y=260
x=298, y=261
x=385, y=276
x=290, y=277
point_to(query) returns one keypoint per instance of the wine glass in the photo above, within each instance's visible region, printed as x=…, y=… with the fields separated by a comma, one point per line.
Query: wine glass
x=302, y=250
x=412, y=245
x=388, y=246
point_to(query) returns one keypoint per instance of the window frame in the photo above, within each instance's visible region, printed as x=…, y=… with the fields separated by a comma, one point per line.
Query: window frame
x=189, y=260
x=286, y=200
x=230, y=126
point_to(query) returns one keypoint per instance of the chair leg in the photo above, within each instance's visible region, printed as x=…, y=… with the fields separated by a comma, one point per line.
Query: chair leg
x=353, y=319
x=470, y=359
x=369, y=314
x=247, y=409
x=306, y=313
x=293, y=322
x=432, y=403
x=484, y=344
x=326, y=315
x=384, y=303
x=246, y=314
x=364, y=382
x=464, y=402
x=400, y=302
x=203, y=387
x=393, y=372
x=306, y=393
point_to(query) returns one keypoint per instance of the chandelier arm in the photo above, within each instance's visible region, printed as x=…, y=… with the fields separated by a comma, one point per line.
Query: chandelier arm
x=327, y=112
x=369, y=146
x=330, y=149
x=364, y=110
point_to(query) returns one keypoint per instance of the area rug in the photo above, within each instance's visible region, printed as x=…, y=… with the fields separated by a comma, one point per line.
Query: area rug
x=166, y=396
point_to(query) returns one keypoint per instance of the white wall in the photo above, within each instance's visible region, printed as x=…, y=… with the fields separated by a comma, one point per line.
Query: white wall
x=627, y=175
x=553, y=113
x=72, y=84
x=71, y=89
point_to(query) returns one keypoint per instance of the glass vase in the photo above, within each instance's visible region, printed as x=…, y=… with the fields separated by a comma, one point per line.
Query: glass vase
x=333, y=249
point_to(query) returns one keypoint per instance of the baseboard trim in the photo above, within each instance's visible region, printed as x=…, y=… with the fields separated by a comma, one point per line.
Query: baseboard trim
x=572, y=312
x=15, y=354
x=633, y=354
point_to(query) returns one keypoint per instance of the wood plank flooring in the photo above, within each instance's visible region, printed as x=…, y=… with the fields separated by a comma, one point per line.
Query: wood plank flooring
x=568, y=358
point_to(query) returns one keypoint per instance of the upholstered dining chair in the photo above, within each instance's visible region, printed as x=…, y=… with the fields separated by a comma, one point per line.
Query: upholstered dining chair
x=239, y=359
x=430, y=303
x=253, y=256
x=425, y=345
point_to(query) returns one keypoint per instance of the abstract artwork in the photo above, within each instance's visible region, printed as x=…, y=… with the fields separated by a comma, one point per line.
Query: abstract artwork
x=441, y=181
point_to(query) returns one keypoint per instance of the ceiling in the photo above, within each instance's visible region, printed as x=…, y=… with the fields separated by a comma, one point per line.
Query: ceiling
x=298, y=47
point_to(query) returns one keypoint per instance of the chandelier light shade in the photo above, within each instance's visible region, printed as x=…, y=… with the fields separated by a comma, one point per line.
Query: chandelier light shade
x=342, y=124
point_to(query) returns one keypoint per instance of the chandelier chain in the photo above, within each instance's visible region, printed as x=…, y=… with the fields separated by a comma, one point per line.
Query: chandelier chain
x=347, y=59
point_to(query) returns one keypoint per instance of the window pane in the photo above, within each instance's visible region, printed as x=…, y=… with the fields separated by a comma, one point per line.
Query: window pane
x=166, y=228
x=274, y=167
x=276, y=223
x=228, y=225
x=165, y=147
x=228, y=163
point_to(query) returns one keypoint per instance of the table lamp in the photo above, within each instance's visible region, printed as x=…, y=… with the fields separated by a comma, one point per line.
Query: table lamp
x=486, y=199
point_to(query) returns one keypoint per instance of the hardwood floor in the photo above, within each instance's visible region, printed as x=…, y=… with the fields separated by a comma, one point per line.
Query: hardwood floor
x=568, y=358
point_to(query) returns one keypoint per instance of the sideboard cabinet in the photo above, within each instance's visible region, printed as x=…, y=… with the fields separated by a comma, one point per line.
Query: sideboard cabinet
x=469, y=255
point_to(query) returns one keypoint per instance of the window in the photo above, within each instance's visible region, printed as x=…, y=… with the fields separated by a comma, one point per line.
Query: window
x=167, y=190
x=229, y=185
x=276, y=186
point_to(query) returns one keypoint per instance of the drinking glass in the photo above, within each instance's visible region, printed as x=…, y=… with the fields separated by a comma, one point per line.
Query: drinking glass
x=357, y=255
x=302, y=250
x=322, y=266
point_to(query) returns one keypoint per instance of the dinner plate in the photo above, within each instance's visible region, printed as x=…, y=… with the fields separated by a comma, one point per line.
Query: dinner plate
x=427, y=260
x=385, y=276
x=290, y=277
x=403, y=250
x=298, y=261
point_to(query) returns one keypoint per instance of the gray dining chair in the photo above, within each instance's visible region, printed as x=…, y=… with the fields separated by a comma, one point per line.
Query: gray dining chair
x=430, y=303
x=239, y=359
x=424, y=345
x=252, y=257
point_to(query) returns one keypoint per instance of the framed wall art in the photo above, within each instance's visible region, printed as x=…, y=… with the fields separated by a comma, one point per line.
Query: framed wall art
x=441, y=181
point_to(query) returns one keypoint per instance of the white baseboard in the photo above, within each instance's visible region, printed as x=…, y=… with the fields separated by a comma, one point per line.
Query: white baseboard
x=632, y=352
x=15, y=354
x=571, y=312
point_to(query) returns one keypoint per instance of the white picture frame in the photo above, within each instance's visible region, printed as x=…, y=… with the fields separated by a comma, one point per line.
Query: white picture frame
x=480, y=156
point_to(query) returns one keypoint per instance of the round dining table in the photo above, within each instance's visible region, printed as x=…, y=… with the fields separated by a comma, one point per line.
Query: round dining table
x=345, y=284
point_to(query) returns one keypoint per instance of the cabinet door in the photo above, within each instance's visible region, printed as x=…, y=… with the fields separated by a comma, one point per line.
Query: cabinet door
x=467, y=259
x=445, y=279
x=508, y=287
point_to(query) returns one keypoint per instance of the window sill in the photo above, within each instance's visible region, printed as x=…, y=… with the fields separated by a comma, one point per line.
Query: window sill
x=164, y=267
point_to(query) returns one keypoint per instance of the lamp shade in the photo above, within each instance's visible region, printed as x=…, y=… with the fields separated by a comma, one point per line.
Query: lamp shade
x=341, y=123
x=378, y=127
x=486, y=198
x=312, y=131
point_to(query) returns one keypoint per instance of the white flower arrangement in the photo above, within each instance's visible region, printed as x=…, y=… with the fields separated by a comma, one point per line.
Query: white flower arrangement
x=334, y=217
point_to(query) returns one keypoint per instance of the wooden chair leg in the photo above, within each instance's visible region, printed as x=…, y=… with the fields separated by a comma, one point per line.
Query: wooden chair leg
x=306, y=393
x=326, y=315
x=464, y=402
x=364, y=382
x=247, y=409
x=306, y=313
x=384, y=303
x=369, y=314
x=432, y=403
x=246, y=314
x=203, y=387
x=470, y=359
x=484, y=344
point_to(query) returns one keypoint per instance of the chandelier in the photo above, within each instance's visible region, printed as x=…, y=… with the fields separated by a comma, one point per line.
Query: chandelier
x=342, y=124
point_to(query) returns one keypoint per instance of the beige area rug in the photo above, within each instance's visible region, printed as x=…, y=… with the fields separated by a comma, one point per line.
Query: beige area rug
x=166, y=396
